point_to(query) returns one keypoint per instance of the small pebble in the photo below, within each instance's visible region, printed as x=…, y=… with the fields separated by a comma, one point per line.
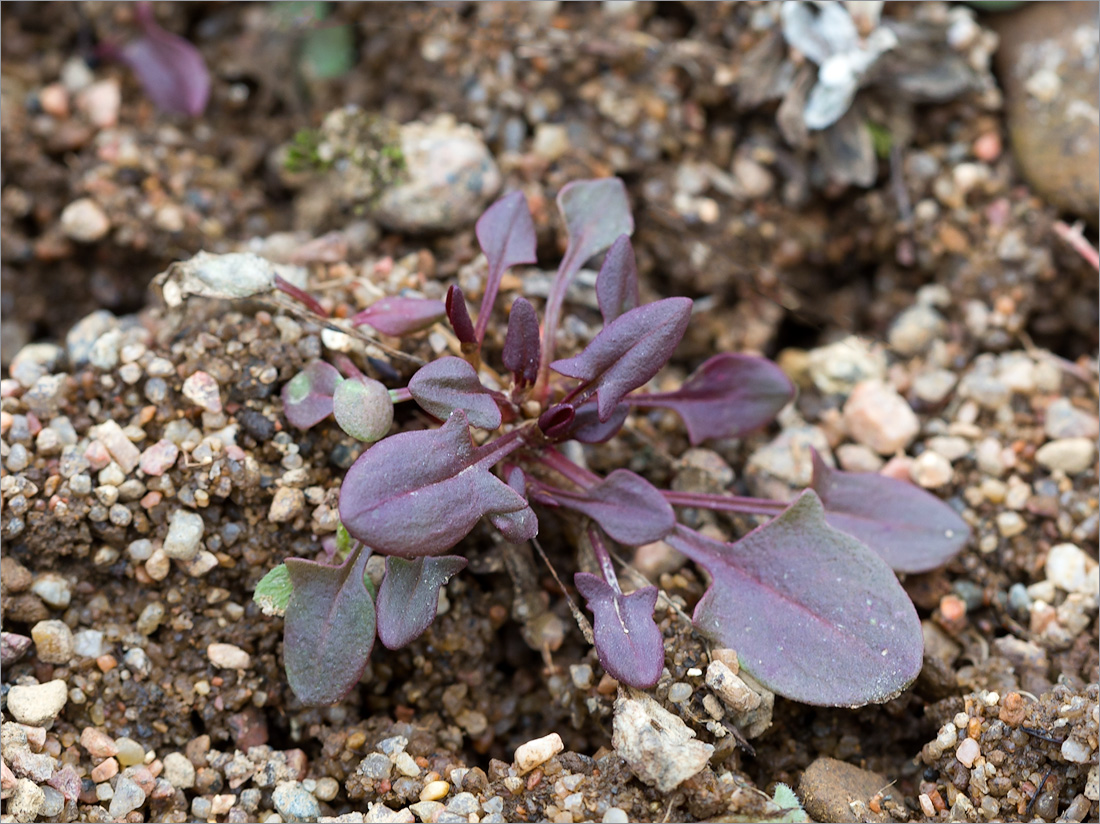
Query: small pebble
x=54, y=589
x=326, y=788
x=1064, y=420
x=203, y=391
x=85, y=221
x=406, y=765
x=37, y=704
x=435, y=790
x=286, y=504
x=88, y=643
x=1069, y=568
x=228, y=656
x=127, y=798
x=105, y=770
x=1071, y=455
x=537, y=751
x=159, y=458
x=185, y=531
x=931, y=470
x=53, y=641
x=130, y=752
x=26, y=801
x=878, y=417
x=679, y=692
x=967, y=752
x=179, y=771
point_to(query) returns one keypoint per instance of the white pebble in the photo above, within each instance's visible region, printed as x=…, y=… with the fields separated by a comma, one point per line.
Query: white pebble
x=37, y=704
x=538, y=751
x=967, y=752
x=1070, y=569
x=185, y=530
x=228, y=656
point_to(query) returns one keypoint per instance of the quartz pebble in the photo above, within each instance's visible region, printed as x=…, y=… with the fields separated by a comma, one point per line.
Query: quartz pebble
x=127, y=798
x=84, y=221
x=185, y=531
x=130, y=752
x=733, y=691
x=930, y=470
x=203, y=391
x=1071, y=455
x=537, y=751
x=159, y=458
x=878, y=417
x=53, y=641
x=54, y=589
x=179, y=771
x=97, y=743
x=228, y=656
x=967, y=752
x=1070, y=569
x=38, y=704
x=659, y=747
x=26, y=801
x=435, y=790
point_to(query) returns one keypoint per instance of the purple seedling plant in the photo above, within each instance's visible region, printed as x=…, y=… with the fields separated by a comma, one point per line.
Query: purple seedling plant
x=809, y=599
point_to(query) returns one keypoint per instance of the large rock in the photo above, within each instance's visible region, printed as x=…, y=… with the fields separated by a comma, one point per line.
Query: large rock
x=451, y=176
x=829, y=787
x=1048, y=63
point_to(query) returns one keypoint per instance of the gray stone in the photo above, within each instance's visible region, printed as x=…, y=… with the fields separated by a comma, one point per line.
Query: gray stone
x=914, y=329
x=658, y=746
x=84, y=334
x=127, y=798
x=451, y=176
x=184, y=539
x=837, y=368
x=1071, y=455
x=1064, y=420
x=294, y=803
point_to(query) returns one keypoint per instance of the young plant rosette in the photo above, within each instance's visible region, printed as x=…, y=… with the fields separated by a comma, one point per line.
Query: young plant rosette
x=809, y=599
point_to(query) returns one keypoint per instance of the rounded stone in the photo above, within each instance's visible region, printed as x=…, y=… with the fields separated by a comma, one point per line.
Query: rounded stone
x=179, y=771
x=878, y=417
x=38, y=704
x=1069, y=568
x=228, y=656
x=54, y=589
x=451, y=176
x=53, y=642
x=85, y=221
x=931, y=470
x=294, y=803
x=1071, y=455
x=1047, y=62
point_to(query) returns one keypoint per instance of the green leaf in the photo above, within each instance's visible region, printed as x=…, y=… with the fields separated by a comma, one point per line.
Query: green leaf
x=273, y=591
x=329, y=629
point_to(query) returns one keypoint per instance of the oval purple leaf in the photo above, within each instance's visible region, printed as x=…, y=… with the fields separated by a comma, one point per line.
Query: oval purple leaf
x=409, y=594
x=420, y=493
x=450, y=383
x=588, y=428
x=401, y=316
x=169, y=68
x=459, y=315
x=307, y=397
x=728, y=396
x=328, y=633
x=814, y=614
x=506, y=235
x=617, y=282
x=627, y=638
x=521, y=342
x=629, y=351
x=913, y=530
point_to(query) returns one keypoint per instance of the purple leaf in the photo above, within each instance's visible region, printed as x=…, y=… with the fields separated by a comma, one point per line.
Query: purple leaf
x=363, y=408
x=521, y=342
x=450, y=383
x=329, y=628
x=459, y=315
x=627, y=639
x=556, y=421
x=814, y=614
x=588, y=428
x=727, y=397
x=913, y=530
x=400, y=316
x=626, y=506
x=595, y=213
x=617, y=282
x=629, y=351
x=307, y=397
x=409, y=594
x=516, y=527
x=506, y=234
x=419, y=493
x=170, y=69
